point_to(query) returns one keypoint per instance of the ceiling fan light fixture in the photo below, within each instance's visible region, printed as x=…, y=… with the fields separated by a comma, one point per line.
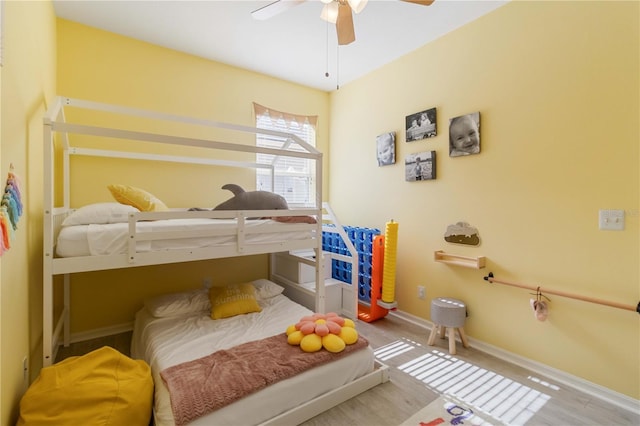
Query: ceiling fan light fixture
x=357, y=5
x=330, y=12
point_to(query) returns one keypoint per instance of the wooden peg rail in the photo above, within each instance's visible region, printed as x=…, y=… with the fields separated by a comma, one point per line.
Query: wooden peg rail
x=636, y=308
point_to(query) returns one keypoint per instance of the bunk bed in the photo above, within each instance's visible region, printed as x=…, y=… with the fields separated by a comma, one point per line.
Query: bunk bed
x=161, y=237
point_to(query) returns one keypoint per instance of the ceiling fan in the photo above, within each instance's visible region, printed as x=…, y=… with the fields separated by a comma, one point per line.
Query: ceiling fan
x=338, y=12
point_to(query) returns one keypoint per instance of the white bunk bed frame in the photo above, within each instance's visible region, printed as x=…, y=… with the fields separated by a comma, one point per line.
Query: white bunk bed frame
x=57, y=130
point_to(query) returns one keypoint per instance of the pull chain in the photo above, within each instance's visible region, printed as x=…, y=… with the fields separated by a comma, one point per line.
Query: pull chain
x=326, y=74
x=338, y=66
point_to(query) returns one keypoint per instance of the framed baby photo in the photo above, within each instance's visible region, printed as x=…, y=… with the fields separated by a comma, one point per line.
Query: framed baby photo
x=464, y=135
x=421, y=125
x=386, y=148
x=420, y=166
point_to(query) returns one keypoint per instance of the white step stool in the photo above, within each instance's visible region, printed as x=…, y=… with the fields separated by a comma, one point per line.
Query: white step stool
x=448, y=313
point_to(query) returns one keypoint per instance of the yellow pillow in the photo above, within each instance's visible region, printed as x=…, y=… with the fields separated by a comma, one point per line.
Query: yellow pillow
x=233, y=300
x=138, y=198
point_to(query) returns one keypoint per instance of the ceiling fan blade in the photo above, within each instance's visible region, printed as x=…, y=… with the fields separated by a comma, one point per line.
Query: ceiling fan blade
x=344, y=25
x=420, y=2
x=272, y=9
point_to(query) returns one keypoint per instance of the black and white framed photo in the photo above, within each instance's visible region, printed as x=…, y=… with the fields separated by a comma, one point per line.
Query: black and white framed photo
x=386, y=148
x=464, y=135
x=421, y=125
x=420, y=166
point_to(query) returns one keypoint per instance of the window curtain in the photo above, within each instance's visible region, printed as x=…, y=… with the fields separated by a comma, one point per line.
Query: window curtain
x=290, y=120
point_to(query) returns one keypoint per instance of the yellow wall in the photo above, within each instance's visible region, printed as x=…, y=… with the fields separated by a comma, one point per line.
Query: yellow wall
x=101, y=66
x=557, y=88
x=27, y=84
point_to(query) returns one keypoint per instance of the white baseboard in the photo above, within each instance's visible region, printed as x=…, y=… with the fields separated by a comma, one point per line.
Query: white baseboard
x=595, y=390
x=100, y=332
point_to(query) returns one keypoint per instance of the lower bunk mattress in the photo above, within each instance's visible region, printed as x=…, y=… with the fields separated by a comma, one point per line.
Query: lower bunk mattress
x=170, y=341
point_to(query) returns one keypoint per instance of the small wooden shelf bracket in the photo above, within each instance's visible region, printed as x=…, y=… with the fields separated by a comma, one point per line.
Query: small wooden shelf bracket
x=475, y=262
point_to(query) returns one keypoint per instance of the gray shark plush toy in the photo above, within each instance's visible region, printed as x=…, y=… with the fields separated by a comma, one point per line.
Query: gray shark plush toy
x=258, y=200
x=252, y=200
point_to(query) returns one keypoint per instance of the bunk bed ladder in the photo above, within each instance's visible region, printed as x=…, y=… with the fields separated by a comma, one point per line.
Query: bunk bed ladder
x=349, y=292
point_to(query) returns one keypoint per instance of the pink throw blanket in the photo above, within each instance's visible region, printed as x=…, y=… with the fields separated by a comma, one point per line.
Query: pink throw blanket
x=203, y=385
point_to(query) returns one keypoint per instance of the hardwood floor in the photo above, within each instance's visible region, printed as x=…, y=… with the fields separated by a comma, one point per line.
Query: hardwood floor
x=420, y=373
x=121, y=342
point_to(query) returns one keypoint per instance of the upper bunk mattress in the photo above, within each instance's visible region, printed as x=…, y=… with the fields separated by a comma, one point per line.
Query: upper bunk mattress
x=112, y=238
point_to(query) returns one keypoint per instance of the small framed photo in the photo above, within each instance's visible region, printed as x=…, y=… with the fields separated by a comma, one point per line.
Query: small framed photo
x=420, y=166
x=386, y=148
x=421, y=125
x=464, y=135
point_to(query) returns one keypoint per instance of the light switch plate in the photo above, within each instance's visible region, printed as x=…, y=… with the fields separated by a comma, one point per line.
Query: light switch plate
x=611, y=220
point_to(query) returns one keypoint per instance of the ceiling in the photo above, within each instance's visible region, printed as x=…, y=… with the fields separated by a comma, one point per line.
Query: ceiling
x=295, y=45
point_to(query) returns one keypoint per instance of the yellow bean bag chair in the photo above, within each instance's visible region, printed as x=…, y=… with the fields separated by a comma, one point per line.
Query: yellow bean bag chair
x=103, y=387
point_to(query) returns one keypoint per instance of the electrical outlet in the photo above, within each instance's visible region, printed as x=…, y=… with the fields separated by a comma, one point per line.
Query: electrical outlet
x=420, y=292
x=207, y=283
x=612, y=220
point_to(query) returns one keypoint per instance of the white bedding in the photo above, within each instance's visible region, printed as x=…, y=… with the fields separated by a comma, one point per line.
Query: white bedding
x=164, y=342
x=106, y=239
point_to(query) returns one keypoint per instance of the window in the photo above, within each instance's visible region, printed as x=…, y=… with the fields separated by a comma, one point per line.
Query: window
x=294, y=177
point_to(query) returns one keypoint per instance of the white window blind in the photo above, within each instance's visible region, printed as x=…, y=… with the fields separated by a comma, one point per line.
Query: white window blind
x=294, y=177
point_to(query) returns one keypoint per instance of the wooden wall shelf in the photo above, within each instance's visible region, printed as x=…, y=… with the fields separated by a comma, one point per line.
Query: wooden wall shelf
x=476, y=262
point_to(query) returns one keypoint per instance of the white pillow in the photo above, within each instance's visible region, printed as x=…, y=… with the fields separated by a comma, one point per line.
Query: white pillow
x=174, y=304
x=100, y=213
x=266, y=289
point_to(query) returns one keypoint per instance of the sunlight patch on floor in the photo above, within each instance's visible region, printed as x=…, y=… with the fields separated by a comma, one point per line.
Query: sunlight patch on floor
x=501, y=398
x=394, y=349
x=543, y=382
